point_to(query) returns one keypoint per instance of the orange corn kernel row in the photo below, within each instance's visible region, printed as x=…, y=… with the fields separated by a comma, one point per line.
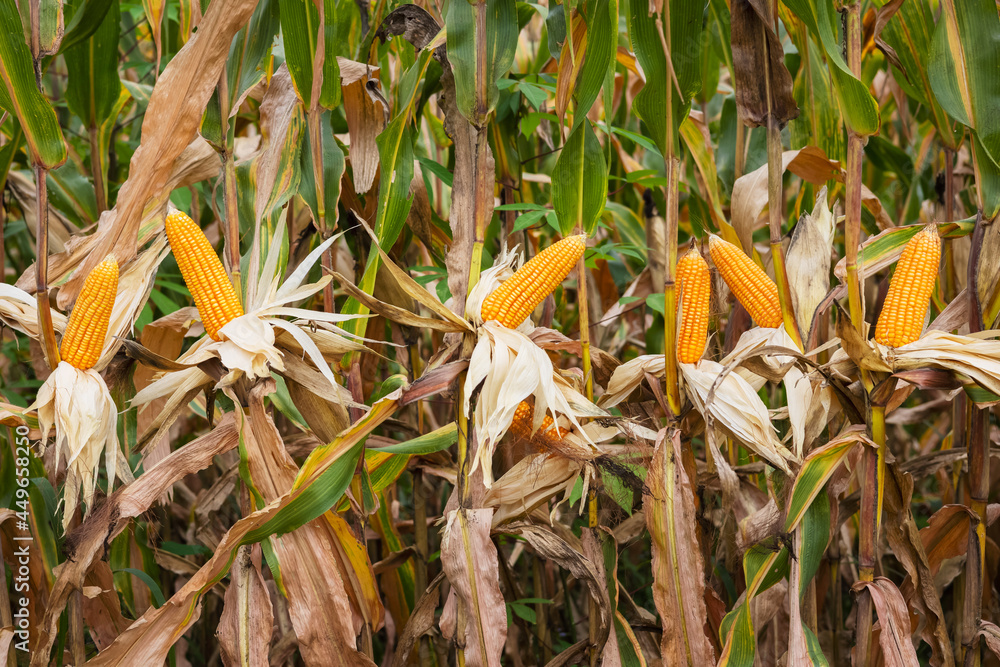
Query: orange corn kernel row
x=206, y=278
x=83, y=341
x=695, y=285
x=518, y=296
x=752, y=287
x=545, y=436
x=902, y=318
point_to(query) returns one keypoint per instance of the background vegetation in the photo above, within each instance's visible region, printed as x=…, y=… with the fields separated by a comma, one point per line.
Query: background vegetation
x=281, y=521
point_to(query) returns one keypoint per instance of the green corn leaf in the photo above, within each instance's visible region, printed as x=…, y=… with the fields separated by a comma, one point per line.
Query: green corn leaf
x=48, y=32
x=858, y=107
x=470, y=52
x=300, y=26
x=964, y=61
x=602, y=38
x=579, y=181
x=93, y=88
x=818, y=467
x=87, y=17
x=20, y=96
x=686, y=23
x=910, y=33
x=333, y=169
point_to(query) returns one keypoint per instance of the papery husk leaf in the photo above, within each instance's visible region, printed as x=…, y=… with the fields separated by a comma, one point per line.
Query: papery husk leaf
x=736, y=408
x=530, y=483
x=627, y=378
x=972, y=356
x=80, y=406
x=87, y=543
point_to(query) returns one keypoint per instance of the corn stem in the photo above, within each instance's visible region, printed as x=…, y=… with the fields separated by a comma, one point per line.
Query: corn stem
x=49, y=345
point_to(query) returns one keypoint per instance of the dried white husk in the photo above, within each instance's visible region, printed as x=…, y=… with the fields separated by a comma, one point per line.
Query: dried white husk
x=80, y=406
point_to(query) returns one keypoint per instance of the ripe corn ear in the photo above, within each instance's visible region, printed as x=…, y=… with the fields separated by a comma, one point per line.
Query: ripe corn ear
x=906, y=303
x=518, y=296
x=545, y=436
x=752, y=287
x=83, y=341
x=695, y=285
x=206, y=279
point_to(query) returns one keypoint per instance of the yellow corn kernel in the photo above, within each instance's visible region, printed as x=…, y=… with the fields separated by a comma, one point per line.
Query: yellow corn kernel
x=906, y=303
x=752, y=287
x=695, y=285
x=518, y=296
x=83, y=341
x=206, y=279
x=545, y=436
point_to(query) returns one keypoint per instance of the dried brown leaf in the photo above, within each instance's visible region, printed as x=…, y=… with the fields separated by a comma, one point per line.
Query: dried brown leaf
x=897, y=649
x=169, y=125
x=678, y=568
x=244, y=631
x=750, y=190
x=365, y=119
x=918, y=587
x=469, y=559
x=86, y=543
x=318, y=602
x=759, y=66
x=420, y=623
x=808, y=260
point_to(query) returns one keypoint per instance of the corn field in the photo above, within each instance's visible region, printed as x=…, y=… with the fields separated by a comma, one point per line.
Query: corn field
x=489, y=332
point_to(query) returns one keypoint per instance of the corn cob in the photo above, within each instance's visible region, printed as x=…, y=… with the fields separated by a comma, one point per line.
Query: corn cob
x=695, y=286
x=906, y=303
x=545, y=436
x=213, y=293
x=752, y=287
x=83, y=341
x=518, y=296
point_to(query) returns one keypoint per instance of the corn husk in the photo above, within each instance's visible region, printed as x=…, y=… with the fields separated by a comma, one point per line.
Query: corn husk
x=530, y=484
x=733, y=405
x=975, y=356
x=19, y=310
x=800, y=390
x=80, y=406
x=252, y=345
x=511, y=368
x=629, y=376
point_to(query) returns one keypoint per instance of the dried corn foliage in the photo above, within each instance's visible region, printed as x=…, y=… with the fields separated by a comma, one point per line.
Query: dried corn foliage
x=339, y=478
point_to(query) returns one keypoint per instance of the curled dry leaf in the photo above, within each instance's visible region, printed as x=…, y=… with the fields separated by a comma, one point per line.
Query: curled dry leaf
x=763, y=83
x=918, y=587
x=734, y=406
x=86, y=543
x=245, y=626
x=169, y=125
x=973, y=356
x=469, y=559
x=318, y=603
x=629, y=376
x=897, y=648
x=529, y=484
x=366, y=116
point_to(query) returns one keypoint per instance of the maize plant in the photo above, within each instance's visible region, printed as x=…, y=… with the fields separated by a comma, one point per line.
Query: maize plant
x=485, y=332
